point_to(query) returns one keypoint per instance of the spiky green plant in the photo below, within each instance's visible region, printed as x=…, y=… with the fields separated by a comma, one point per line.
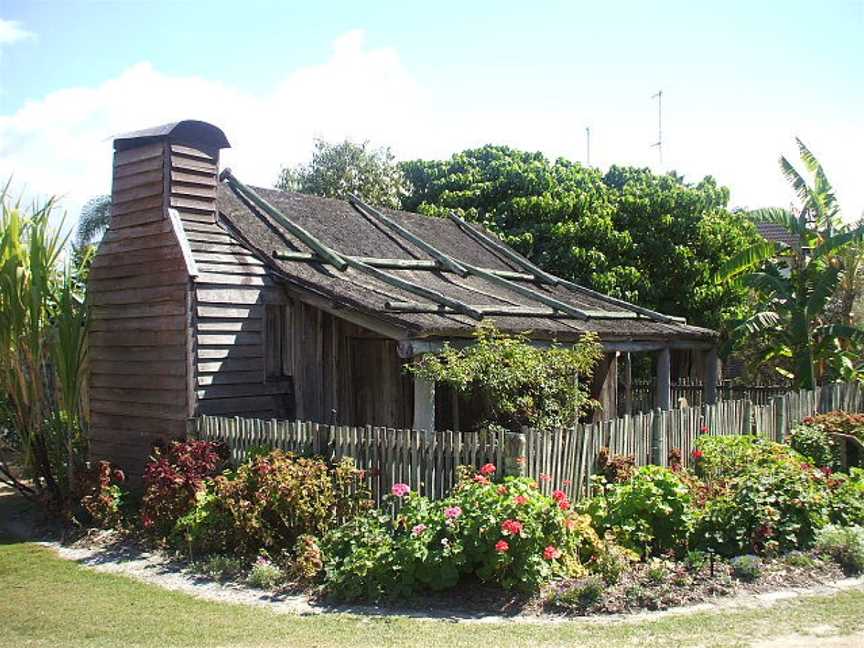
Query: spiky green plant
x=42, y=348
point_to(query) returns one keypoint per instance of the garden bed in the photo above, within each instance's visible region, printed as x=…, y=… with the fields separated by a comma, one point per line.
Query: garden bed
x=644, y=588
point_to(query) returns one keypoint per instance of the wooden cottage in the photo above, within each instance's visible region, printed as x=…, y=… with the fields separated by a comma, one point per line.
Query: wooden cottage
x=211, y=297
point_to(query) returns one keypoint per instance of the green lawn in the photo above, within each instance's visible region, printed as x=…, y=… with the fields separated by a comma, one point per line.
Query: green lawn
x=47, y=601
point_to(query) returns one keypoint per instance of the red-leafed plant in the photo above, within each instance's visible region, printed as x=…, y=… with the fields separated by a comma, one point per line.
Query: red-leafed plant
x=173, y=479
x=102, y=494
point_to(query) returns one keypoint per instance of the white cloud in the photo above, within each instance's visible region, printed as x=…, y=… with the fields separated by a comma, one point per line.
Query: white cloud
x=11, y=32
x=61, y=142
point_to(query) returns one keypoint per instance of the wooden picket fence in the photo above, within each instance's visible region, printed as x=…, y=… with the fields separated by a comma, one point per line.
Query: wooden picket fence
x=562, y=458
x=427, y=462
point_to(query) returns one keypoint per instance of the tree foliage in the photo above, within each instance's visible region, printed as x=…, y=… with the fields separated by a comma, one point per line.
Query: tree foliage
x=338, y=170
x=652, y=239
x=520, y=383
x=94, y=220
x=792, y=326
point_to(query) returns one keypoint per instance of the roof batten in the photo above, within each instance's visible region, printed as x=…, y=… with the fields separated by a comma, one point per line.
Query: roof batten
x=446, y=261
x=322, y=250
x=540, y=274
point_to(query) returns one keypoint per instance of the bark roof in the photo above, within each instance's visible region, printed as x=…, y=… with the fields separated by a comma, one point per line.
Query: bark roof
x=345, y=229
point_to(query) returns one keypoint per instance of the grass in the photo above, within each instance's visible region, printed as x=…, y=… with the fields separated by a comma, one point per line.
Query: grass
x=48, y=602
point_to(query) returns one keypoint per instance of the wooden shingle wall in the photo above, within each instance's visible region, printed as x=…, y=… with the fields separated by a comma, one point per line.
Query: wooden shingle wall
x=140, y=298
x=231, y=288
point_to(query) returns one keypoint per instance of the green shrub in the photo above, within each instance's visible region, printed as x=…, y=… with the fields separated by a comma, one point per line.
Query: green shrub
x=102, y=496
x=817, y=445
x=800, y=559
x=746, y=568
x=651, y=513
x=845, y=545
x=846, y=503
x=612, y=561
x=219, y=567
x=173, y=480
x=583, y=594
x=775, y=505
x=509, y=534
x=265, y=574
x=839, y=422
x=720, y=458
x=269, y=502
x=658, y=570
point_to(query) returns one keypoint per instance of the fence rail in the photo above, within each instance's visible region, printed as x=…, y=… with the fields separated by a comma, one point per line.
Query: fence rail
x=691, y=392
x=563, y=458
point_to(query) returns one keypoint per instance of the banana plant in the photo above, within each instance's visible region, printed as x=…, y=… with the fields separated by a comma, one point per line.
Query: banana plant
x=792, y=285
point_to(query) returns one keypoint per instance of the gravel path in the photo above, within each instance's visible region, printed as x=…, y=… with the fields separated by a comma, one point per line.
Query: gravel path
x=158, y=569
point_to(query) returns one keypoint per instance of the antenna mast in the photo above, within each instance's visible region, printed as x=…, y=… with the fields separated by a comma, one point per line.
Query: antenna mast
x=659, y=142
x=587, y=146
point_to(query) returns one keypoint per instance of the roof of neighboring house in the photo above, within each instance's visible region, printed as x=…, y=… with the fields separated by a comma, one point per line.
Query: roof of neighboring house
x=346, y=229
x=775, y=232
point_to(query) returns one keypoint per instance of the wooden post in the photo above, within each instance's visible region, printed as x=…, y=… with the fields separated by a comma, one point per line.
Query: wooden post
x=658, y=454
x=749, y=427
x=780, y=419
x=516, y=450
x=664, y=379
x=424, y=404
x=709, y=380
x=628, y=384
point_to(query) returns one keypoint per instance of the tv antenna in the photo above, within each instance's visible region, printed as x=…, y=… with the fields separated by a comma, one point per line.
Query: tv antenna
x=587, y=146
x=659, y=142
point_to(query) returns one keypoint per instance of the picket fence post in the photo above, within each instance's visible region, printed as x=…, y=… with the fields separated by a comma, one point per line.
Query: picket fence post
x=515, y=452
x=780, y=419
x=657, y=439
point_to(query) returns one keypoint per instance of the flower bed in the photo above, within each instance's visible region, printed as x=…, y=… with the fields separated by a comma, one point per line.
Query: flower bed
x=650, y=537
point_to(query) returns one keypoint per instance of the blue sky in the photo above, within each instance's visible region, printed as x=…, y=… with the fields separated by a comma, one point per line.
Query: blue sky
x=739, y=80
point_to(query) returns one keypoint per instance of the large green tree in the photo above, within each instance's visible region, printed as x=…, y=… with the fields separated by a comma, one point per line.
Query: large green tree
x=338, y=170
x=653, y=239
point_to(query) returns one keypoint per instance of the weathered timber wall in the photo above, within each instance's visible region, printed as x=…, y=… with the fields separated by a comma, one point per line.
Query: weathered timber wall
x=140, y=305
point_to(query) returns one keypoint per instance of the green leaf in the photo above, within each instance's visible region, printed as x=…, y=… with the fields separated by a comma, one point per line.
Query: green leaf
x=748, y=259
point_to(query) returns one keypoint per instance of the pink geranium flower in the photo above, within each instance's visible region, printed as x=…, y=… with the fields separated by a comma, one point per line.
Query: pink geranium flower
x=520, y=500
x=481, y=479
x=400, y=490
x=418, y=529
x=551, y=553
x=559, y=495
x=452, y=512
x=502, y=546
x=487, y=469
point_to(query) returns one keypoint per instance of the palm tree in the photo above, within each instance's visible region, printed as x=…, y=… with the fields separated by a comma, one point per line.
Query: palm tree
x=792, y=284
x=94, y=220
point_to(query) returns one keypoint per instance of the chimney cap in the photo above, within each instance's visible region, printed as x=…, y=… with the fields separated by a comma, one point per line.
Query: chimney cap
x=187, y=131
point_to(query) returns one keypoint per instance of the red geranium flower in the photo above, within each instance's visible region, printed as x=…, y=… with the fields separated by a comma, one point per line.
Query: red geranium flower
x=559, y=495
x=502, y=546
x=511, y=527
x=564, y=505
x=704, y=429
x=697, y=454
x=520, y=500
x=487, y=469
